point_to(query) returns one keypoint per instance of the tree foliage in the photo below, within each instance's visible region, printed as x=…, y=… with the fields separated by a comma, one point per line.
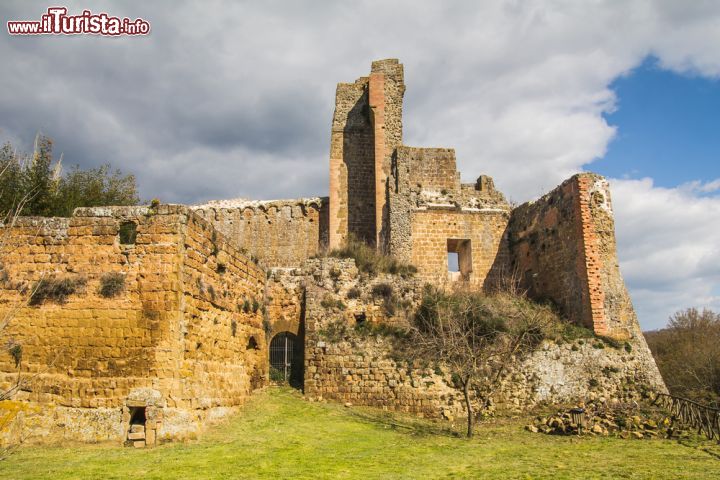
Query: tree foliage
x=687, y=353
x=34, y=185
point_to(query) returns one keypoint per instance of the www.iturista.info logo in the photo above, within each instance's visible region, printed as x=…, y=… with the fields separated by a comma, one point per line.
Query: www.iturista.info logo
x=56, y=21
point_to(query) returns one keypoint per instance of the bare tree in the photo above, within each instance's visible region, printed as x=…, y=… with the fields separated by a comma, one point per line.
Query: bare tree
x=687, y=353
x=476, y=336
x=7, y=223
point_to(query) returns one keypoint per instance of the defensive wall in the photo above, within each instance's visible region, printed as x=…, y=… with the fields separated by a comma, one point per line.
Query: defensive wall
x=172, y=339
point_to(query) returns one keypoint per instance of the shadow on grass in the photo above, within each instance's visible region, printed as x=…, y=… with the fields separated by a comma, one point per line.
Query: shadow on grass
x=405, y=424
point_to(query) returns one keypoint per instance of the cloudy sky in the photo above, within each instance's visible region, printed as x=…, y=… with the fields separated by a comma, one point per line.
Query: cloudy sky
x=228, y=99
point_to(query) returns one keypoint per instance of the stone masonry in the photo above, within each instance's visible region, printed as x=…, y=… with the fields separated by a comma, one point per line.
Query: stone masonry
x=199, y=293
x=173, y=337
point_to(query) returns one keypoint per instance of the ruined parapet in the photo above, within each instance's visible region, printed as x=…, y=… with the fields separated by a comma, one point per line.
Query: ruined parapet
x=366, y=128
x=279, y=233
x=432, y=215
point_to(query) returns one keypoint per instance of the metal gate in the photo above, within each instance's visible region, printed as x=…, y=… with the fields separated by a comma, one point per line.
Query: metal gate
x=281, y=354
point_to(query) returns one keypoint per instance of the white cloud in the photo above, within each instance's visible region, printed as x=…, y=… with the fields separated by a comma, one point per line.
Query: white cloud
x=669, y=248
x=231, y=99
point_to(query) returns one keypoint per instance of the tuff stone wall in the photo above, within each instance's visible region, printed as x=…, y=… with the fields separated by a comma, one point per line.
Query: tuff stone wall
x=279, y=233
x=344, y=360
x=361, y=363
x=429, y=207
x=386, y=90
x=352, y=165
x=366, y=129
x=563, y=248
x=285, y=297
x=174, y=338
x=431, y=230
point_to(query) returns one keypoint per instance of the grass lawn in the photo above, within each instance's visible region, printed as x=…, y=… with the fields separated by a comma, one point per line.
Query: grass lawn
x=279, y=435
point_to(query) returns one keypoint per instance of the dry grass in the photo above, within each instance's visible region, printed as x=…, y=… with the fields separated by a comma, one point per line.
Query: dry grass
x=370, y=261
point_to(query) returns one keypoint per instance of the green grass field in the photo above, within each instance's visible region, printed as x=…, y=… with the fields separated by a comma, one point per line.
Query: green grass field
x=279, y=435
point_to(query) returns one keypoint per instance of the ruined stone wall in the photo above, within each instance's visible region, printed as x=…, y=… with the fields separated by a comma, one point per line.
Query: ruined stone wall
x=90, y=351
x=352, y=165
x=220, y=344
x=346, y=359
x=431, y=230
x=279, y=233
x=429, y=207
x=361, y=363
x=430, y=171
x=285, y=297
x=164, y=341
x=366, y=129
x=563, y=248
x=386, y=90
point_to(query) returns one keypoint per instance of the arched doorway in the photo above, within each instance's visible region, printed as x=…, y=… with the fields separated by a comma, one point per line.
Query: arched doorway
x=286, y=360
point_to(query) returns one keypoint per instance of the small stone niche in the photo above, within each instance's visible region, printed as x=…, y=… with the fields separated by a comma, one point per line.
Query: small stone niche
x=142, y=416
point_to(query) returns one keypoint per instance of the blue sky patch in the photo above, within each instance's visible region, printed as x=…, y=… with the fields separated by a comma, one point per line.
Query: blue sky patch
x=667, y=127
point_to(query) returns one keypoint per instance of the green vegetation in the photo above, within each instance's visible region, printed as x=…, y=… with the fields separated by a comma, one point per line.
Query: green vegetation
x=688, y=356
x=493, y=314
x=278, y=435
x=370, y=261
x=112, y=284
x=329, y=302
x=335, y=331
x=33, y=185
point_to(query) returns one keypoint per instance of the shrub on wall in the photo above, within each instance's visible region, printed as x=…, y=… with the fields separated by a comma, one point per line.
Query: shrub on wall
x=55, y=289
x=371, y=261
x=328, y=301
x=112, y=284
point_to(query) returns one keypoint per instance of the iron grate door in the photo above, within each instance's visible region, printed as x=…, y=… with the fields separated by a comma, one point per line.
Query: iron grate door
x=281, y=354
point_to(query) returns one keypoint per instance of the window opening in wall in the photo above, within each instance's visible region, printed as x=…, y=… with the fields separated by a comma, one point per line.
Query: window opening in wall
x=452, y=258
x=252, y=344
x=459, y=257
x=128, y=233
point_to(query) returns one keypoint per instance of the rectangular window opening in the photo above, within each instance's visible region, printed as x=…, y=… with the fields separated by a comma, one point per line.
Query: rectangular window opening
x=459, y=259
x=453, y=262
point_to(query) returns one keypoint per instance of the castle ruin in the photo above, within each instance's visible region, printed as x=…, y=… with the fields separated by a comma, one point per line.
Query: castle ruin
x=214, y=295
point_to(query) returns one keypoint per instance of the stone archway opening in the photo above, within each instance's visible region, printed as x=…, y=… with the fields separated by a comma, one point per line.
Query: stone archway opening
x=286, y=359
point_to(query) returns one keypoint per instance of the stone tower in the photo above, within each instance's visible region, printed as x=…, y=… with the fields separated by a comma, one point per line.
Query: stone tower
x=366, y=129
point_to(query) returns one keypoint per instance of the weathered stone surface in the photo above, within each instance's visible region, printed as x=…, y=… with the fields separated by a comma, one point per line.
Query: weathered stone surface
x=173, y=337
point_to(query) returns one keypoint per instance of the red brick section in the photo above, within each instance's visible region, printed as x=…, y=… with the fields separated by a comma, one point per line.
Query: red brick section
x=591, y=256
x=559, y=253
x=377, y=106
